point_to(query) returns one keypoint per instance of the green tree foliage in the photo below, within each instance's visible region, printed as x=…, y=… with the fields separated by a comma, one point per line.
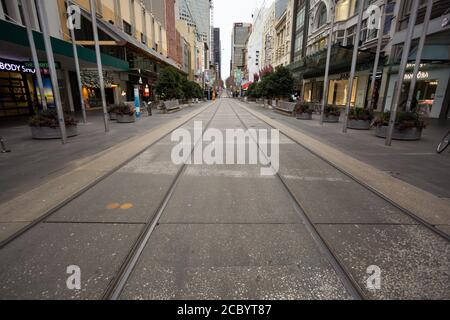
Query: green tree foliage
x=170, y=84
x=277, y=84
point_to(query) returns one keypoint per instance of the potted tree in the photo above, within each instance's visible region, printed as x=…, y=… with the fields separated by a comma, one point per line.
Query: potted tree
x=331, y=114
x=360, y=119
x=45, y=125
x=125, y=114
x=408, y=126
x=303, y=111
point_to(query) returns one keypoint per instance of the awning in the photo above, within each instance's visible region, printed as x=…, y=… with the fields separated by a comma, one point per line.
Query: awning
x=341, y=60
x=120, y=35
x=432, y=53
x=16, y=34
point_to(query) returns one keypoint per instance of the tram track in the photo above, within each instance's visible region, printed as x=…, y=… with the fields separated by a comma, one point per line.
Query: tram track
x=405, y=211
x=343, y=274
x=119, y=282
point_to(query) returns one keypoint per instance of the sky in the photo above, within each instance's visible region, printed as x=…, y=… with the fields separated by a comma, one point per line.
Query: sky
x=227, y=12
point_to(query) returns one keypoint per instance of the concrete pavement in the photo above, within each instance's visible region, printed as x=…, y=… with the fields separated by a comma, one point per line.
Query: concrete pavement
x=228, y=233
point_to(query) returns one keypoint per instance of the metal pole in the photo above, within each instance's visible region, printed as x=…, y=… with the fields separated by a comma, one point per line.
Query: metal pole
x=423, y=37
x=99, y=64
x=377, y=55
x=77, y=67
x=34, y=56
x=402, y=70
x=353, y=68
x=327, y=66
x=51, y=65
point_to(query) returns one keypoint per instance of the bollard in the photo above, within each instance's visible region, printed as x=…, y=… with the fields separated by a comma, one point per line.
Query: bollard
x=3, y=146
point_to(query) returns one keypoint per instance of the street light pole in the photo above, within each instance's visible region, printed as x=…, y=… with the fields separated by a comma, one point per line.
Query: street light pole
x=51, y=65
x=377, y=55
x=26, y=9
x=402, y=71
x=99, y=63
x=423, y=37
x=77, y=66
x=327, y=65
x=353, y=68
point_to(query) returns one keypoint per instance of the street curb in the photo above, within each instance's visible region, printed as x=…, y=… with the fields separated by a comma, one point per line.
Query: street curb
x=36, y=203
x=423, y=204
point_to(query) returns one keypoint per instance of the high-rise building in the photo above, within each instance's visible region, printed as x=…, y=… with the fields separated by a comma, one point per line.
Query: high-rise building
x=239, y=38
x=255, y=43
x=164, y=11
x=197, y=14
x=217, y=53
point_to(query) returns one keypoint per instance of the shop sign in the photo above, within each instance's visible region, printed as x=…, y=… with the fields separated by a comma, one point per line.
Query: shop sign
x=13, y=66
x=24, y=67
x=420, y=75
x=42, y=65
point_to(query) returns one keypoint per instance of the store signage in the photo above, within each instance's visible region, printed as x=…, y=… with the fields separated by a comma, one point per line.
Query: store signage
x=42, y=65
x=14, y=66
x=24, y=67
x=420, y=75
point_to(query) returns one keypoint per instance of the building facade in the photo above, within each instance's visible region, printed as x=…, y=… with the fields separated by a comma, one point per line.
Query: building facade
x=432, y=90
x=133, y=44
x=239, y=37
x=255, y=44
x=217, y=53
x=283, y=32
x=268, y=38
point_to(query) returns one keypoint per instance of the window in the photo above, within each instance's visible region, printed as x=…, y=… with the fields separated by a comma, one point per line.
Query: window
x=322, y=15
x=342, y=10
x=300, y=18
x=351, y=35
x=127, y=28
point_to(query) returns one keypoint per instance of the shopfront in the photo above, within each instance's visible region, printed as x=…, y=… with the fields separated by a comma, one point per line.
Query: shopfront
x=430, y=92
x=18, y=88
x=337, y=90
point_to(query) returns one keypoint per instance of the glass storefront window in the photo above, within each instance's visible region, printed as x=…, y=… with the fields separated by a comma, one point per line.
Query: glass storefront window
x=337, y=94
x=424, y=94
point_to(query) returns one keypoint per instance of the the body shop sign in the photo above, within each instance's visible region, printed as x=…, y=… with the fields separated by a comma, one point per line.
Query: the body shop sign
x=15, y=66
x=24, y=67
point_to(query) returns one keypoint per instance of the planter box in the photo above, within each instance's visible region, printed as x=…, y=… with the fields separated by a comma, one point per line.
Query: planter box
x=410, y=134
x=304, y=116
x=44, y=133
x=126, y=118
x=358, y=124
x=330, y=119
x=112, y=116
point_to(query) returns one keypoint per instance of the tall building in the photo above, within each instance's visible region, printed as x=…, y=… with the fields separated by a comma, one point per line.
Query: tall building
x=283, y=30
x=239, y=37
x=197, y=14
x=268, y=38
x=217, y=53
x=255, y=43
x=164, y=11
